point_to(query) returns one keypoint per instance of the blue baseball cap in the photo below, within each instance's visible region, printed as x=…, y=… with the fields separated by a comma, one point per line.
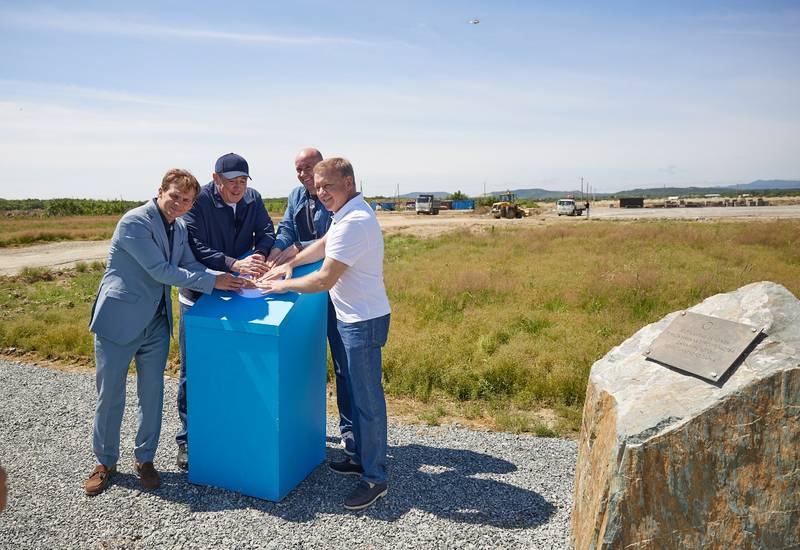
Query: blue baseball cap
x=232, y=166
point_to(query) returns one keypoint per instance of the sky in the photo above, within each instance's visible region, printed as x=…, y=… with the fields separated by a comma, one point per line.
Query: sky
x=99, y=99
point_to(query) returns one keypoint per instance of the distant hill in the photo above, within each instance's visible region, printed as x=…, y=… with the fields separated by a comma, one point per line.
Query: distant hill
x=769, y=184
x=758, y=185
x=415, y=194
x=537, y=193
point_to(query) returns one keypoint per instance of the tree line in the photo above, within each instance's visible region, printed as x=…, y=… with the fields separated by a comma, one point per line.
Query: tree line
x=91, y=207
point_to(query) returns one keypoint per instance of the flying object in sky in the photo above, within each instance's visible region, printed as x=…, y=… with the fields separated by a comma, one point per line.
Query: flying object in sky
x=474, y=21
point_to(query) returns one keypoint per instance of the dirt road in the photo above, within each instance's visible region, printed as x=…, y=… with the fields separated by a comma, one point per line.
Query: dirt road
x=67, y=254
x=53, y=255
x=704, y=213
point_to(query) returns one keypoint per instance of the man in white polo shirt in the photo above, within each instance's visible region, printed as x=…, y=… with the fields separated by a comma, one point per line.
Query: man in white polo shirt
x=353, y=273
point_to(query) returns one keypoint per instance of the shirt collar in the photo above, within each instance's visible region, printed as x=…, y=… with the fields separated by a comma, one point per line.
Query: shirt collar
x=352, y=204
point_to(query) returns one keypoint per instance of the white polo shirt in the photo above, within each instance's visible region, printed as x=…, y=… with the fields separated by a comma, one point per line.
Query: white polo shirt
x=355, y=239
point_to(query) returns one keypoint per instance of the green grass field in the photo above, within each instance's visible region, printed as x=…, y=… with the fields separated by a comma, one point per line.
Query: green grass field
x=28, y=230
x=492, y=328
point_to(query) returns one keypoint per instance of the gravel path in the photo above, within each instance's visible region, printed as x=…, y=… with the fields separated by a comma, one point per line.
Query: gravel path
x=449, y=488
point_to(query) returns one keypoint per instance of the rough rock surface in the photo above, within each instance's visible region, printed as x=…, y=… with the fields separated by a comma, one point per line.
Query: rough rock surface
x=667, y=460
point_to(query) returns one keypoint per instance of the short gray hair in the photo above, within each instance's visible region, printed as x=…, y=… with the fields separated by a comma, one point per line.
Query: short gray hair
x=336, y=164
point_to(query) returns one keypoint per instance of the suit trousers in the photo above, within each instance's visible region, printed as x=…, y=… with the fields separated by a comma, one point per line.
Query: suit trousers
x=150, y=350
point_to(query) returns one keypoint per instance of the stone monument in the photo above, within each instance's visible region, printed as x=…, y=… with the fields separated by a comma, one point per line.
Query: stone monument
x=671, y=460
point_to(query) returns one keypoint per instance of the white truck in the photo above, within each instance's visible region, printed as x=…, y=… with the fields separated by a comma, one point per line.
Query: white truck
x=427, y=204
x=570, y=207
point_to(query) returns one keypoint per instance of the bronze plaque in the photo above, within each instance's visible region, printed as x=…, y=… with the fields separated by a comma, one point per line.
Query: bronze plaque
x=701, y=345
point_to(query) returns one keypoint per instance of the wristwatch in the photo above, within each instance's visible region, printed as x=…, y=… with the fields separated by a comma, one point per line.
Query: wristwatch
x=298, y=245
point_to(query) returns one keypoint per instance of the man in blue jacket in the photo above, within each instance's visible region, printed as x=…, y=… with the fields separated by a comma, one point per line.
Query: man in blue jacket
x=305, y=221
x=132, y=318
x=228, y=221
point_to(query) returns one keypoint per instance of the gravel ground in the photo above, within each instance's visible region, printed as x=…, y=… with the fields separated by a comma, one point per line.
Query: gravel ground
x=450, y=487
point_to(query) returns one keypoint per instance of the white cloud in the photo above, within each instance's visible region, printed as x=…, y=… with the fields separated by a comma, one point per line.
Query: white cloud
x=87, y=142
x=123, y=24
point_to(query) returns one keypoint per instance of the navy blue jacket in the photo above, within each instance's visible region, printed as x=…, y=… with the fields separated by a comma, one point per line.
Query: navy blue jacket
x=218, y=238
x=305, y=220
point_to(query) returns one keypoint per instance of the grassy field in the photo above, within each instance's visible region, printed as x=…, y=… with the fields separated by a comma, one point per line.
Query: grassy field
x=500, y=328
x=27, y=230
x=33, y=230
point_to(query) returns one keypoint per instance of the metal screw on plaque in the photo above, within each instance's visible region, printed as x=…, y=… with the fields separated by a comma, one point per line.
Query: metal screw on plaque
x=647, y=352
x=683, y=313
x=713, y=375
x=754, y=330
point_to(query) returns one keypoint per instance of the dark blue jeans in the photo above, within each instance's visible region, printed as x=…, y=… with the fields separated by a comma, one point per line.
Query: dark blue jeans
x=339, y=359
x=362, y=343
x=182, y=436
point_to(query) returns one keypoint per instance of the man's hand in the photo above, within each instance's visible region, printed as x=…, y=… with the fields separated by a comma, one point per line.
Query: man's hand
x=279, y=257
x=278, y=272
x=226, y=281
x=254, y=265
x=273, y=253
x=286, y=255
x=271, y=286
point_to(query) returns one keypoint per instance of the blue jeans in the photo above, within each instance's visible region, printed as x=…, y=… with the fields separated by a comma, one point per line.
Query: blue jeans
x=343, y=400
x=362, y=343
x=182, y=436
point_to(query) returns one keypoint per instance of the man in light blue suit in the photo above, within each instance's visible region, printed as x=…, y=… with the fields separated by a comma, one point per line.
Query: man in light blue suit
x=132, y=318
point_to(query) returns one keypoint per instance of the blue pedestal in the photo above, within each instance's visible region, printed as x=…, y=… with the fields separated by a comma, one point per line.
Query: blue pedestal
x=256, y=373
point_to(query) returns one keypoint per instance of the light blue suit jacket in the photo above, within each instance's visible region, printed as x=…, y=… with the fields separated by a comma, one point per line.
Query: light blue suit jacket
x=139, y=272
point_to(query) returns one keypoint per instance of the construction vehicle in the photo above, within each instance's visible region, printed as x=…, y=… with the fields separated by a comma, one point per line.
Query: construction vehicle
x=507, y=207
x=428, y=204
x=570, y=207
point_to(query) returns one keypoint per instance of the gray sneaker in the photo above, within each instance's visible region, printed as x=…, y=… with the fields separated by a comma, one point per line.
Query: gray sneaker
x=365, y=495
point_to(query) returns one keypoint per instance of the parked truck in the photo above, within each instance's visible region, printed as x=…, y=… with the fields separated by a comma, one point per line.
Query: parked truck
x=631, y=202
x=570, y=207
x=427, y=204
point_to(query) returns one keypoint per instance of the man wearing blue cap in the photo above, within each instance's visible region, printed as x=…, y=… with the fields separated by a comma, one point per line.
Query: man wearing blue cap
x=228, y=221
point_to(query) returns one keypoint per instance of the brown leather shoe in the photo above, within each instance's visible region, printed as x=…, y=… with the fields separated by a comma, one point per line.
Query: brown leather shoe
x=148, y=476
x=99, y=480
